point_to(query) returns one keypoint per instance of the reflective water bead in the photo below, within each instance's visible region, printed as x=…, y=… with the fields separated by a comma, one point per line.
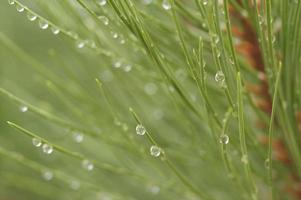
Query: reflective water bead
x=74, y=185
x=20, y=8
x=114, y=34
x=150, y=88
x=224, y=139
x=88, y=165
x=147, y=2
x=78, y=137
x=104, y=20
x=23, y=108
x=80, y=44
x=47, y=175
x=36, y=142
x=244, y=159
x=155, y=151
x=48, y=149
x=267, y=163
x=11, y=2
x=55, y=30
x=166, y=5
x=127, y=68
x=31, y=16
x=205, y=2
x=43, y=24
x=219, y=77
x=102, y=2
x=140, y=130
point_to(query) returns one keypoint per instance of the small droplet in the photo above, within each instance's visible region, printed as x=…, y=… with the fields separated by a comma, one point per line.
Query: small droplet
x=154, y=189
x=102, y=2
x=104, y=20
x=43, y=24
x=114, y=34
x=23, y=108
x=31, y=17
x=47, y=175
x=80, y=44
x=220, y=79
x=147, y=2
x=88, y=165
x=205, y=2
x=140, y=130
x=224, y=139
x=127, y=68
x=36, y=142
x=55, y=30
x=11, y=2
x=48, y=149
x=20, y=8
x=155, y=151
x=74, y=185
x=166, y=5
x=150, y=88
x=78, y=137
x=244, y=159
x=267, y=163
x=117, y=64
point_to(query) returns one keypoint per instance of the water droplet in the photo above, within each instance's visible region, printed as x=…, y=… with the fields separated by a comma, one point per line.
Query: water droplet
x=140, y=129
x=74, y=185
x=23, y=108
x=244, y=159
x=147, y=2
x=154, y=189
x=30, y=16
x=88, y=165
x=267, y=163
x=224, y=139
x=166, y=5
x=43, y=24
x=47, y=175
x=114, y=34
x=150, y=88
x=11, y=2
x=219, y=77
x=20, y=8
x=155, y=151
x=104, y=20
x=36, y=142
x=80, y=44
x=102, y=2
x=117, y=64
x=78, y=137
x=48, y=149
x=205, y=2
x=55, y=30
x=127, y=68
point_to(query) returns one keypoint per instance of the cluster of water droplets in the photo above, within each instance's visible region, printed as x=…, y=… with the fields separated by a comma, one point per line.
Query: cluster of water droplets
x=46, y=148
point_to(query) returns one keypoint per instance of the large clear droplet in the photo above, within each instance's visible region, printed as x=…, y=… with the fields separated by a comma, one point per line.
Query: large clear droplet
x=47, y=175
x=31, y=16
x=166, y=5
x=88, y=165
x=11, y=2
x=47, y=148
x=224, y=139
x=23, y=108
x=36, y=142
x=20, y=8
x=78, y=137
x=101, y=2
x=104, y=20
x=155, y=151
x=43, y=24
x=55, y=30
x=140, y=130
